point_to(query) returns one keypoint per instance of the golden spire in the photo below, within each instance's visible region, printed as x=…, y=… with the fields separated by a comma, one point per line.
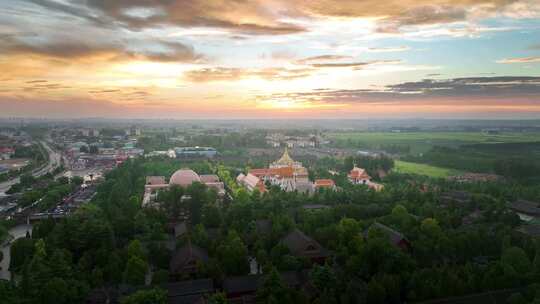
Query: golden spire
x=285, y=158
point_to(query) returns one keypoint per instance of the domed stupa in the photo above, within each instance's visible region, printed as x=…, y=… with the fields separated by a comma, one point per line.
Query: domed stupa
x=184, y=178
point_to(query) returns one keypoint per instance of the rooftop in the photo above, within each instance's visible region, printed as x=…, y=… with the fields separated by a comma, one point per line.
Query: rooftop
x=527, y=207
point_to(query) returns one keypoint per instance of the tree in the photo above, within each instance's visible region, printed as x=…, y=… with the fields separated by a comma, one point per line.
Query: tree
x=93, y=149
x=322, y=278
x=135, y=272
x=8, y=292
x=198, y=194
x=160, y=277
x=218, y=298
x=324, y=281
x=27, y=180
x=211, y=216
x=516, y=298
x=113, y=269
x=55, y=291
x=152, y=296
x=77, y=180
x=517, y=259
x=21, y=250
x=135, y=249
x=430, y=227
x=272, y=290
x=233, y=254
x=375, y=292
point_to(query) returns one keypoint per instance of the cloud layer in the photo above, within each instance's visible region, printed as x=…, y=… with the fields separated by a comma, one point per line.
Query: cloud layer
x=219, y=55
x=473, y=88
x=274, y=17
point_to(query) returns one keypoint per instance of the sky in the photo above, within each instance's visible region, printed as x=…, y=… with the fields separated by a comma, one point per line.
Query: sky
x=252, y=59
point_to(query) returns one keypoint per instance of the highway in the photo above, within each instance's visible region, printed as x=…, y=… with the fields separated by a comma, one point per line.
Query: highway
x=54, y=162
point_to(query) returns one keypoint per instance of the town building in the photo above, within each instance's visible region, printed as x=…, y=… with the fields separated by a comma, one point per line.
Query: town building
x=90, y=132
x=276, y=140
x=133, y=131
x=169, y=153
x=6, y=153
x=186, y=152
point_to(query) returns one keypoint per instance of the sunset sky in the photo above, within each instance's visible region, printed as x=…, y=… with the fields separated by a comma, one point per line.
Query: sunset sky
x=270, y=58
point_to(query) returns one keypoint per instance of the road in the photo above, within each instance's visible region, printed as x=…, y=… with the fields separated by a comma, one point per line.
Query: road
x=54, y=162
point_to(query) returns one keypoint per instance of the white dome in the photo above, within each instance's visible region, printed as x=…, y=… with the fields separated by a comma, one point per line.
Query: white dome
x=184, y=177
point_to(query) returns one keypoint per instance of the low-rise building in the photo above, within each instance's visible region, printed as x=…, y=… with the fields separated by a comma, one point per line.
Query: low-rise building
x=315, y=207
x=190, y=292
x=360, y=176
x=186, y=152
x=526, y=210
x=6, y=152
x=169, y=153
x=251, y=182
x=242, y=289
x=302, y=246
x=325, y=184
x=186, y=261
x=396, y=238
x=456, y=197
x=182, y=178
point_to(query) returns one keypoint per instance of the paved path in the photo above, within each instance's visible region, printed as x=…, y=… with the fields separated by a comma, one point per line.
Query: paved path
x=18, y=231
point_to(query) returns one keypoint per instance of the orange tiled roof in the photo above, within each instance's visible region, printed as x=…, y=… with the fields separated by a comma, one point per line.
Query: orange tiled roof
x=258, y=172
x=324, y=183
x=358, y=173
x=283, y=172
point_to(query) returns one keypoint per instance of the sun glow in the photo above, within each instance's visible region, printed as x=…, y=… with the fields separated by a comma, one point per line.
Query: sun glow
x=287, y=104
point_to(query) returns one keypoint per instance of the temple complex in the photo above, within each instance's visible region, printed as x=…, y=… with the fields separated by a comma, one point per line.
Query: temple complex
x=286, y=173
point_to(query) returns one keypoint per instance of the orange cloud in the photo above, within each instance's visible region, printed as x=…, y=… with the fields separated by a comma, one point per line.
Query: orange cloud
x=520, y=60
x=232, y=74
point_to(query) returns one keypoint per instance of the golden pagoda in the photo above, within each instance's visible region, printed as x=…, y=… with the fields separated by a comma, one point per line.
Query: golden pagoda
x=285, y=161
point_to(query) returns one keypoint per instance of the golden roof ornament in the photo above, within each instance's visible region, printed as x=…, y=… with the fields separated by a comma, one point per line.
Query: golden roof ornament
x=285, y=158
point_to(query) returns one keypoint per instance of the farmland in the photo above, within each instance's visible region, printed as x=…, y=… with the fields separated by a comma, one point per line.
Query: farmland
x=420, y=142
x=423, y=169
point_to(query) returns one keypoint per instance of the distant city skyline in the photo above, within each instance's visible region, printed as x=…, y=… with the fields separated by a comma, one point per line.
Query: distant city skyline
x=189, y=59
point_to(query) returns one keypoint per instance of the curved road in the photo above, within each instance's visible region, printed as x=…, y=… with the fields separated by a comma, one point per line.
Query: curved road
x=54, y=162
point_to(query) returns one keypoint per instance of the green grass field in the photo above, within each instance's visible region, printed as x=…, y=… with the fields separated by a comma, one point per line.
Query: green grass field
x=423, y=169
x=423, y=141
